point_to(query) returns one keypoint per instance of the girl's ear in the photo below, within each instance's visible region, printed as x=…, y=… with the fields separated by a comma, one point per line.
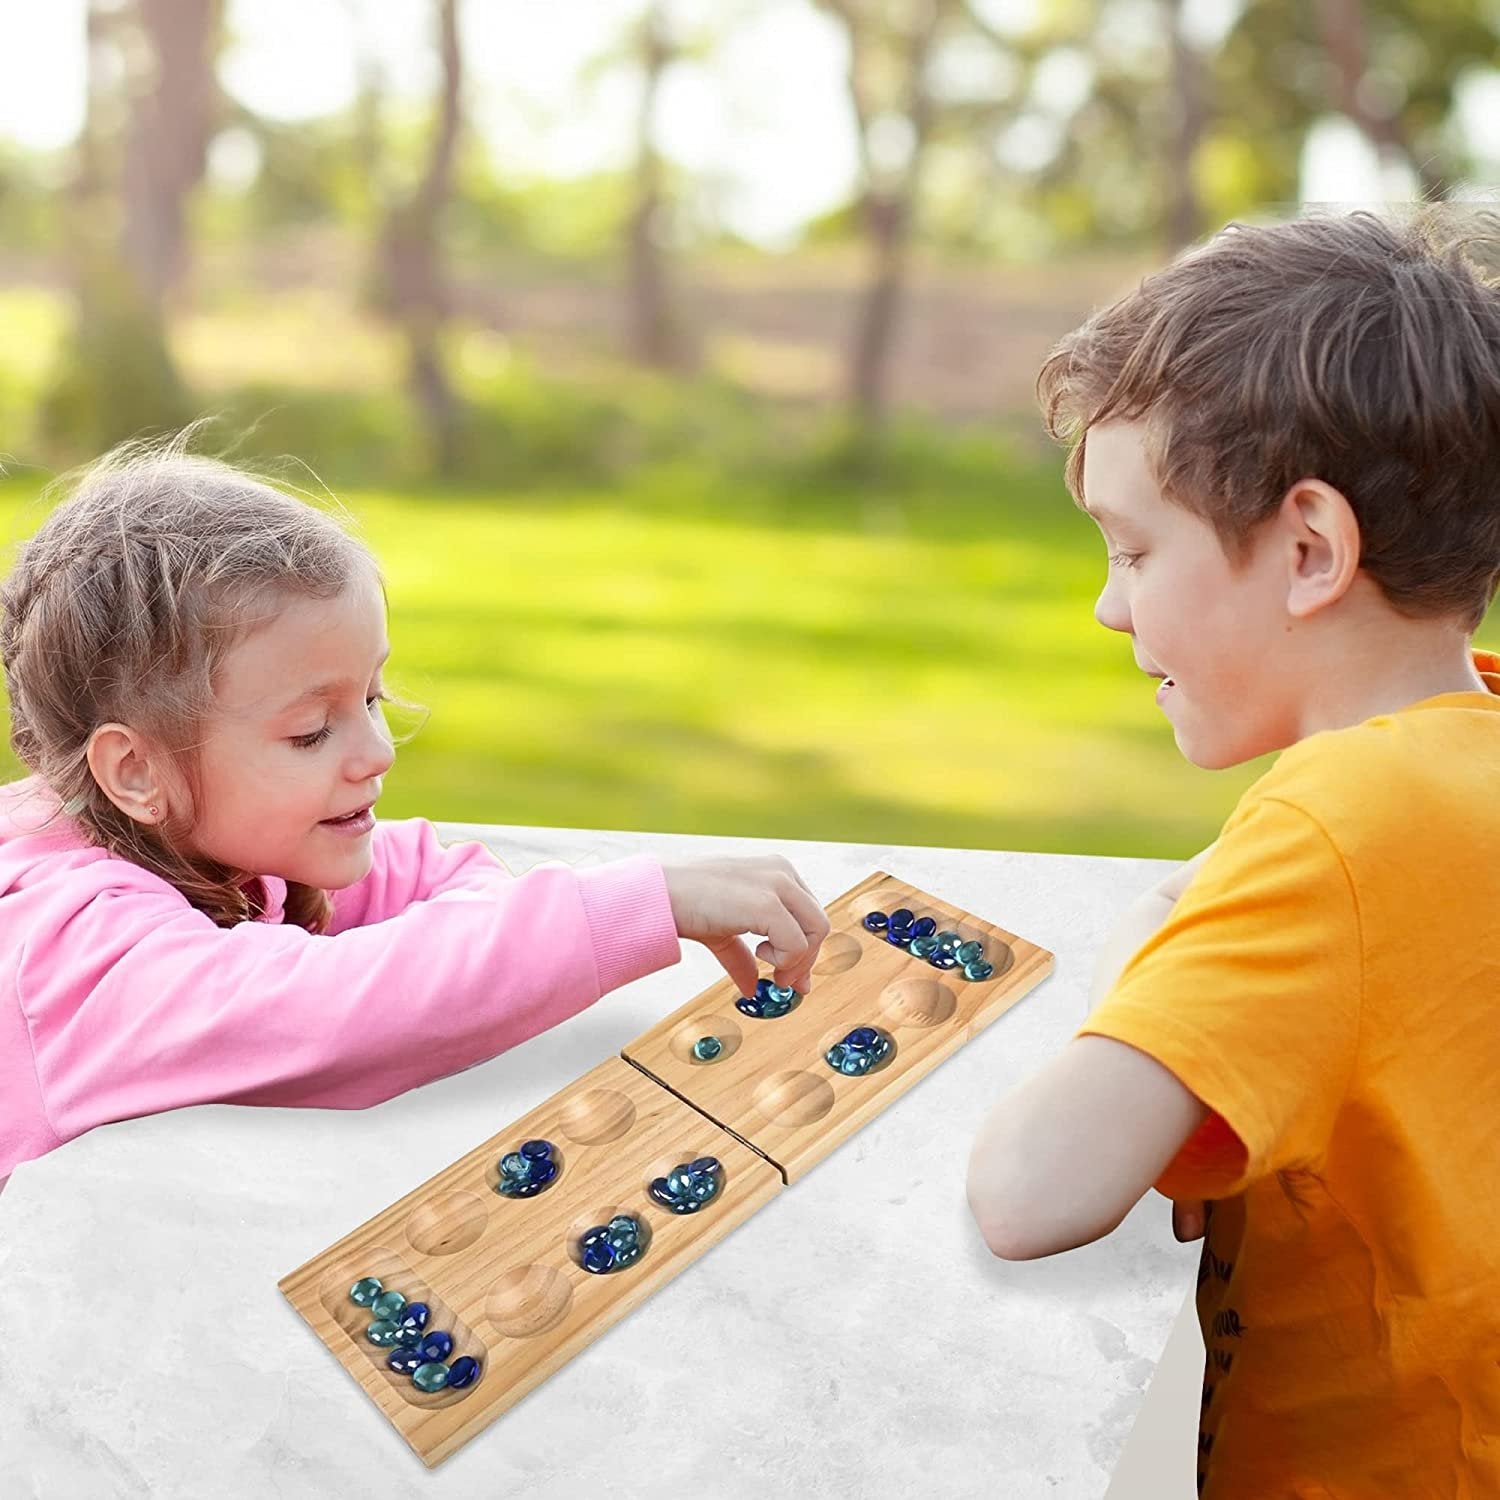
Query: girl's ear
x=118, y=758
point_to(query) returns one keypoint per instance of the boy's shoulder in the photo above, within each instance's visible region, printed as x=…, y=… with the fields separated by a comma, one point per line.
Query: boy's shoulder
x=1393, y=777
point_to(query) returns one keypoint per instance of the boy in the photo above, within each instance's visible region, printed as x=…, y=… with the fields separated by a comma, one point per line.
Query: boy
x=1290, y=440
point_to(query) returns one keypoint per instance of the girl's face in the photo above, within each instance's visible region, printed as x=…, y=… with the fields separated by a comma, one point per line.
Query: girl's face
x=300, y=737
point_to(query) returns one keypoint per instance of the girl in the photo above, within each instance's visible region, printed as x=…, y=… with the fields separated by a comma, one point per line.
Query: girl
x=197, y=902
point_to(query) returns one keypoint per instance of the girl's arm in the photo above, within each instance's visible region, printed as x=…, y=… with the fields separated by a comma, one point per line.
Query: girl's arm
x=137, y=1002
x=408, y=863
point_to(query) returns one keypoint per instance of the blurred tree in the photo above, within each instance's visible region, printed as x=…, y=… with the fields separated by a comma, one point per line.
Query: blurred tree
x=1189, y=93
x=656, y=335
x=413, y=279
x=152, y=100
x=891, y=45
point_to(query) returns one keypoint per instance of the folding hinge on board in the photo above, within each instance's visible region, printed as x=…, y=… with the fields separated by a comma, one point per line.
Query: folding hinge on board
x=719, y=1124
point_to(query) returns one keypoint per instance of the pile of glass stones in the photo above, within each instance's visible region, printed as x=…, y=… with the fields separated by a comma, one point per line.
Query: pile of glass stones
x=524, y=1173
x=401, y=1327
x=687, y=1187
x=612, y=1246
x=861, y=1050
x=771, y=1000
x=921, y=938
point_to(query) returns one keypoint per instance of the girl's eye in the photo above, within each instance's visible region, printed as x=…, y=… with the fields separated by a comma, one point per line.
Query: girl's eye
x=308, y=741
x=1125, y=559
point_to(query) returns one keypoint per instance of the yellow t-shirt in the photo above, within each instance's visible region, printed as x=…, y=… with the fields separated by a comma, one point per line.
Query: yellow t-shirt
x=1329, y=986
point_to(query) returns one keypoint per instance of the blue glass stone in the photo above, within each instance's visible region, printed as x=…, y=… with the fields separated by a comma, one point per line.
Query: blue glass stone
x=388, y=1305
x=597, y=1255
x=948, y=942
x=706, y=1048
x=414, y=1315
x=382, y=1333
x=876, y=921
x=980, y=968
x=966, y=953
x=403, y=1361
x=923, y=927
x=365, y=1290
x=861, y=1050
x=432, y=1376
x=436, y=1346
x=898, y=936
x=903, y=916
x=524, y=1173
x=941, y=960
x=689, y=1185
x=923, y=947
x=770, y=1001
x=462, y=1372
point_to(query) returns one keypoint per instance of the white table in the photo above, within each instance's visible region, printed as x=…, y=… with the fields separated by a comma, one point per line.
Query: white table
x=853, y=1338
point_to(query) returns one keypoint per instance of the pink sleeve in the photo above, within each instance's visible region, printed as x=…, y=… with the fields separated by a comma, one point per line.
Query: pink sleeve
x=136, y=1002
x=409, y=864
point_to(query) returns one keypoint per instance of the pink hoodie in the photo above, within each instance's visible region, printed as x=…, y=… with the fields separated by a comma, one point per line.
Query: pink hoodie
x=118, y=998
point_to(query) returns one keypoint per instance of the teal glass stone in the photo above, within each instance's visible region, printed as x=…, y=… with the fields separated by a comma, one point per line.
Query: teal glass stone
x=947, y=942
x=689, y=1185
x=365, y=1290
x=525, y=1173
x=980, y=968
x=432, y=1376
x=707, y=1048
x=383, y=1333
x=612, y=1246
x=864, y=1048
x=388, y=1305
x=966, y=953
x=770, y=1001
x=924, y=947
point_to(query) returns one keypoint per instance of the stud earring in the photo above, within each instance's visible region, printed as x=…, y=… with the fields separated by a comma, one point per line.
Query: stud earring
x=154, y=813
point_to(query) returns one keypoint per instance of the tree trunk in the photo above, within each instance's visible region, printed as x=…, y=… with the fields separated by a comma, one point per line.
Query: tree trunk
x=1184, y=216
x=655, y=337
x=1345, y=36
x=888, y=213
x=415, y=279
x=166, y=144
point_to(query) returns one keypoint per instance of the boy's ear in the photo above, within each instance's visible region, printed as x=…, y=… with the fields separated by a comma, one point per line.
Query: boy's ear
x=118, y=757
x=1325, y=533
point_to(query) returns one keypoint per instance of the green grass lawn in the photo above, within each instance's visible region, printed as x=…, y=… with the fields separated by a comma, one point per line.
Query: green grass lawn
x=676, y=655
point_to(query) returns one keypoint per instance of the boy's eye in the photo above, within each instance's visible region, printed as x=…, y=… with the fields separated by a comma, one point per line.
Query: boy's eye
x=307, y=741
x=1125, y=559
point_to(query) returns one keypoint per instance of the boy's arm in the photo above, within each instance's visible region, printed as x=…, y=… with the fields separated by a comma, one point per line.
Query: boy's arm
x=1054, y=1167
x=1051, y=1168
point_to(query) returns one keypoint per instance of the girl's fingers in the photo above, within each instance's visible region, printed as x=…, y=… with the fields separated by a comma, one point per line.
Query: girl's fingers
x=736, y=959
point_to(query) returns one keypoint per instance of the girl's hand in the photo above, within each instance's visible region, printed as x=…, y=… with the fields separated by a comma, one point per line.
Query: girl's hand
x=715, y=900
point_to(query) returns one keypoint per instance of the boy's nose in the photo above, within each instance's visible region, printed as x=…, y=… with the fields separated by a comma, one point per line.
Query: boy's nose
x=1110, y=610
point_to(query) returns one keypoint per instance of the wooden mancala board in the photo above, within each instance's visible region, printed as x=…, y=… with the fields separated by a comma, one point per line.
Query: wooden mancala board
x=505, y=1275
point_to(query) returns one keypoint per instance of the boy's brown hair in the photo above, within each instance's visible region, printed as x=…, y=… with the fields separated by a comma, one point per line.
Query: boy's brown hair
x=1355, y=349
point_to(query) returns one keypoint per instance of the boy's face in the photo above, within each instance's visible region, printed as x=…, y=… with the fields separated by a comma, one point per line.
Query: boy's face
x=275, y=764
x=1219, y=634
